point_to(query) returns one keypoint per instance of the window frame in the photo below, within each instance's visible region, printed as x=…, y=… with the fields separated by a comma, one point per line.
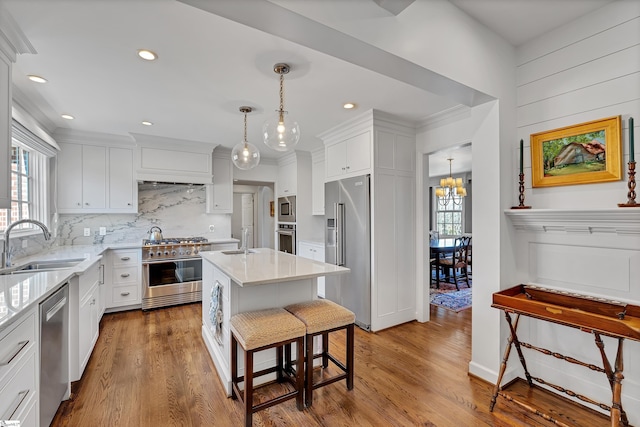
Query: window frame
x=437, y=209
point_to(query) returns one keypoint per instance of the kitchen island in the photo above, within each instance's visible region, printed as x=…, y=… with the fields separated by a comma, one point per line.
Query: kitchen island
x=238, y=282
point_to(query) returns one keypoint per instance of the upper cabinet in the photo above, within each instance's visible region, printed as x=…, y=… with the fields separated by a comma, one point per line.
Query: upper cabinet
x=348, y=157
x=287, y=176
x=95, y=178
x=220, y=193
x=317, y=182
x=173, y=160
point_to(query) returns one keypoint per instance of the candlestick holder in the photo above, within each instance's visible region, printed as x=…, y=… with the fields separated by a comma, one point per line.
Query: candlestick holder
x=631, y=202
x=521, y=195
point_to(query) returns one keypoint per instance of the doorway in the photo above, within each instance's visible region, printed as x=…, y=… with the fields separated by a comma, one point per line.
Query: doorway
x=251, y=209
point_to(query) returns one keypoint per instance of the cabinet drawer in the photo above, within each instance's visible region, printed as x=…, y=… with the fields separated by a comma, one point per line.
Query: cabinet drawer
x=123, y=295
x=126, y=258
x=20, y=390
x=125, y=275
x=15, y=345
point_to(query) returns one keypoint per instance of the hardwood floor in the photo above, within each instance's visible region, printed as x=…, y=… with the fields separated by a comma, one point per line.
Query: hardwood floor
x=152, y=369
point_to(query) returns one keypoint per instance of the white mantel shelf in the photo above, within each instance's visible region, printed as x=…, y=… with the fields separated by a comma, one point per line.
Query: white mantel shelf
x=619, y=221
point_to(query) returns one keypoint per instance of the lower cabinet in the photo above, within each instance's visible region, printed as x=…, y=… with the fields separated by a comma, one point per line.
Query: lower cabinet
x=18, y=372
x=123, y=285
x=84, y=316
x=314, y=251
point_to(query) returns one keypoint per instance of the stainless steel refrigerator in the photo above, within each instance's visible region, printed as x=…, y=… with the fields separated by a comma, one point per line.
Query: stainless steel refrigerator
x=348, y=243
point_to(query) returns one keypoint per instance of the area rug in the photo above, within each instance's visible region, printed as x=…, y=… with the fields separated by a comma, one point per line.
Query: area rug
x=451, y=299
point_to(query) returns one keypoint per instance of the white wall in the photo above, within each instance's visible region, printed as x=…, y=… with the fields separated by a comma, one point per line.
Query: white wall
x=587, y=70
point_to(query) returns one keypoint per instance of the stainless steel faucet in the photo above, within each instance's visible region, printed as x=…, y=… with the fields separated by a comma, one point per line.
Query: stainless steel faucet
x=6, y=253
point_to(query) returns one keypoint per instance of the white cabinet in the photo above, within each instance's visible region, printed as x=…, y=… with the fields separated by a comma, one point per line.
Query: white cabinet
x=5, y=131
x=84, y=316
x=220, y=193
x=95, y=179
x=314, y=251
x=123, y=284
x=123, y=189
x=18, y=370
x=349, y=157
x=288, y=177
x=317, y=182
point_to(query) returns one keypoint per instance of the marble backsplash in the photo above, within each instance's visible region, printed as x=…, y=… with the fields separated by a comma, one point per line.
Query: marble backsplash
x=178, y=209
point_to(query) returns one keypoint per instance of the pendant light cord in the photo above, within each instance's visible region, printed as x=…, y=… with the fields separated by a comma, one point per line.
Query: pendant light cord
x=281, y=97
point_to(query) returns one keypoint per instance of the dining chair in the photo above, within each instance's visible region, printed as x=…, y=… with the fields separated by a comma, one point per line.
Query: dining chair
x=458, y=263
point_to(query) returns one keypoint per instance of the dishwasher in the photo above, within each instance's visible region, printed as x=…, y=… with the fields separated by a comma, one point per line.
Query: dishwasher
x=54, y=353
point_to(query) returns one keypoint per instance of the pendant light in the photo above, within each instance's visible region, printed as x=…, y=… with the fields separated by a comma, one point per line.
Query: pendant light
x=281, y=132
x=244, y=155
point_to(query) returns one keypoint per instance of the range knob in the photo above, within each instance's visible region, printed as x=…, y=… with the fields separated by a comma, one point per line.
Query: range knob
x=159, y=253
x=166, y=252
x=195, y=250
x=173, y=252
x=188, y=251
x=151, y=253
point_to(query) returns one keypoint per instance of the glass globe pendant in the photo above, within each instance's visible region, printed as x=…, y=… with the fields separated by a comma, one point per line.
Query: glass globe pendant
x=280, y=132
x=245, y=155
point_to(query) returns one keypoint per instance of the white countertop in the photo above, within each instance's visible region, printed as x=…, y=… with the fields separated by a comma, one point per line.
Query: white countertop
x=269, y=266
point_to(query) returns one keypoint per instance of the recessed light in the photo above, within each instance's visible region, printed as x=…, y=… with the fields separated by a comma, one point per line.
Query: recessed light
x=67, y=116
x=147, y=55
x=349, y=105
x=147, y=123
x=36, y=79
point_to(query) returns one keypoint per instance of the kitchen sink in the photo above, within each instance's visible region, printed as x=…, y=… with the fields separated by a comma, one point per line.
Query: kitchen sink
x=237, y=252
x=45, y=265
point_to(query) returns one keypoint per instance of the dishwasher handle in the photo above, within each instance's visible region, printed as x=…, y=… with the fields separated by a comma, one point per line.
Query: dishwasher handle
x=53, y=310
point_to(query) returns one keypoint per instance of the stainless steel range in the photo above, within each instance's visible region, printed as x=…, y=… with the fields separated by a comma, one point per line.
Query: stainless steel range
x=172, y=271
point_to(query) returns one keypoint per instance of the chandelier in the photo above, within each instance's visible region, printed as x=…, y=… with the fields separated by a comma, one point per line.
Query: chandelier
x=281, y=132
x=451, y=190
x=245, y=155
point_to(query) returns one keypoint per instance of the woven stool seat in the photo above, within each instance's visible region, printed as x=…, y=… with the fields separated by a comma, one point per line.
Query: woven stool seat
x=321, y=315
x=255, y=329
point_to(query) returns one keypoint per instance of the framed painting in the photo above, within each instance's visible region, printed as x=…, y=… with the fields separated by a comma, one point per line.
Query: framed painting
x=585, y=153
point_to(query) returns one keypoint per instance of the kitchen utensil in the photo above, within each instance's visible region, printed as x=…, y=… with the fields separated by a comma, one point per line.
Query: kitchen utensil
x=155, y=234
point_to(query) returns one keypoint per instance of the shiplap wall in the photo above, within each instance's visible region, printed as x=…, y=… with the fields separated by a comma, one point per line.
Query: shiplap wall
x=586, y=70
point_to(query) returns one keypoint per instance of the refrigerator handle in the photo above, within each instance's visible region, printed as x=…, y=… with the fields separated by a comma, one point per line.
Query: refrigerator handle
x=340, y=234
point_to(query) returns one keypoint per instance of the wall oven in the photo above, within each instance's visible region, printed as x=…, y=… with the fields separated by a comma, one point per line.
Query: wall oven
x=287, y=238
x=287, y=209
x=172, y=271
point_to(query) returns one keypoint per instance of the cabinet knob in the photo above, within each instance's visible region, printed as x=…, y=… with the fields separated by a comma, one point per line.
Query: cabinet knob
x=86, y=203
x=348, y=167
x=124, y=294
x=125, y=275
x=93, y=302
x=79, y=204
x=344, y=169
x=129, y=204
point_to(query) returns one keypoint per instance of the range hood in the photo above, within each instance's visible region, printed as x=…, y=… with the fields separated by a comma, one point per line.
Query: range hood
x=169, y=160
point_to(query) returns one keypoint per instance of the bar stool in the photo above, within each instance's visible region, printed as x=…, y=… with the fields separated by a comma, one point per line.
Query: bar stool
x=322, y=317
x=261, y=330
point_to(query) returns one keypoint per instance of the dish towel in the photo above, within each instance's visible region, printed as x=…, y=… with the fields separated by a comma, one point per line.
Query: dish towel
x=215, y=311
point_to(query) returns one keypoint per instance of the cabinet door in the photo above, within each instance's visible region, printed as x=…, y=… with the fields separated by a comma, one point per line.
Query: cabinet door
x=5, y=131
x=317, y=187
x=220, y=193
x=94, y=177
x=336, y=155
x=287, y=179
x=121, y=183
x=88, y=326
x=358, y=153
x=70, y=176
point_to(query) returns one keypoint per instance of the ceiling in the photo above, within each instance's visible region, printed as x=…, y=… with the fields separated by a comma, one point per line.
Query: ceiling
x=217, y=57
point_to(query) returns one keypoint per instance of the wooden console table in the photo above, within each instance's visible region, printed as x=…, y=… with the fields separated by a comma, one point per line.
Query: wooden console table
x=589, y=314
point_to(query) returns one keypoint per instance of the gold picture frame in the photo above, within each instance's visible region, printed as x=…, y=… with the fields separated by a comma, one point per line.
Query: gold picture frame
x=585, y=153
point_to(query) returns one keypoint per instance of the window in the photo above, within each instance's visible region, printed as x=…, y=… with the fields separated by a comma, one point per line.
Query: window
x=28, y=180
x=448, y=218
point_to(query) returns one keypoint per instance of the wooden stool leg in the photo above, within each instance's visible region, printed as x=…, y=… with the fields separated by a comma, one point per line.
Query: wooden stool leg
x=279, y=364
x=309, y=370
x=300, y=373
x=248, y=388
x=234, y=365
x=325, y=350
x=350, y=355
